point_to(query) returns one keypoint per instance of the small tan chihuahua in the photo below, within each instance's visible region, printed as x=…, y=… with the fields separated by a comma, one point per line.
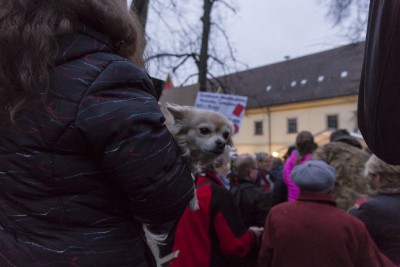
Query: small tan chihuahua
x=202, y=135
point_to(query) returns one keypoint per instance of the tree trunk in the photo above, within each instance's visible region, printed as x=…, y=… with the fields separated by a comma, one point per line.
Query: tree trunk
x=203, y=60
x=140, y=7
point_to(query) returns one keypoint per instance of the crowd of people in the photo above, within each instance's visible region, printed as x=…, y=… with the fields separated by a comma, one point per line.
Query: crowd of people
x=333, y=205
x=87, y=164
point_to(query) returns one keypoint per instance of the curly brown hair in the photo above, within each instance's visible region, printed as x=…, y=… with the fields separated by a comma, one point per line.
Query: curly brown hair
x=28, y=41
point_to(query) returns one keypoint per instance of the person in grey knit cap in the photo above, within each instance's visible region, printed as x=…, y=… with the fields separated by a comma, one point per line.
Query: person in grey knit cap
x=314, y=176
x=312, y=231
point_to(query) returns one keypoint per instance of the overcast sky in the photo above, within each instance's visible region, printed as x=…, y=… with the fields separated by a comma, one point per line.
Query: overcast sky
x=268, y=30
x=265, y=31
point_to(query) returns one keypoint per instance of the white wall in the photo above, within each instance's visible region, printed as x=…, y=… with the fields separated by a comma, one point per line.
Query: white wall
x=313, y=119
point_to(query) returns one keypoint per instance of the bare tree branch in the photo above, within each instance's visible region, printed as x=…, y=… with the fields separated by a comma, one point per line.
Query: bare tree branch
x=216, y=59
x=161, y=55
x=189, y=40
x=174, y=69
x=227, y=41
x=339, y=10
x=230, y=7
x=215, y=81
x=188, y=78
x=352, y=15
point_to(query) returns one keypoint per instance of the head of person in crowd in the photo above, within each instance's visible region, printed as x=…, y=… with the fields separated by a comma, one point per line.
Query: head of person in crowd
x=221, y=167
x=277, y=162
x=264, y=162
x=305, y=144
x=39, y=26
x=245, y=168
x=342, y=135
x=382, y=175
x=314, y=176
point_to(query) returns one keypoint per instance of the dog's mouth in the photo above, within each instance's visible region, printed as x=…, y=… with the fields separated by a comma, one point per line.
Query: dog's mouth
x=209, y=152
x=218, y=150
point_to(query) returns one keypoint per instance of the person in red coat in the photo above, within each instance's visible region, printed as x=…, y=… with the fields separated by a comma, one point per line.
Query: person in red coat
x=312, y=232
x=213, y=235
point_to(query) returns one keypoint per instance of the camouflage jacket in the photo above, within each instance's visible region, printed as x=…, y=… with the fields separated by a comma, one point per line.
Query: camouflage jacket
x=348, y=162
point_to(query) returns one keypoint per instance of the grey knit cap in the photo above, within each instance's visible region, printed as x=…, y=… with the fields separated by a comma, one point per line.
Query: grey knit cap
x=314, y=176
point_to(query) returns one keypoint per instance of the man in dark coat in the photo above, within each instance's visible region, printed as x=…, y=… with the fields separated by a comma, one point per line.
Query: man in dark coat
x=253, y=202
x=312, y=232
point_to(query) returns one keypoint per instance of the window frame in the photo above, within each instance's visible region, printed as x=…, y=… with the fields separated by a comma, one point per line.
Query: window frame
x=289, y=128
x=258, y=128
x=331, y=116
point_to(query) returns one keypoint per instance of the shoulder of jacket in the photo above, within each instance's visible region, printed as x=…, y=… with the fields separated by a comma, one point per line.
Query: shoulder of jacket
x=107, y=59
x=113, y=65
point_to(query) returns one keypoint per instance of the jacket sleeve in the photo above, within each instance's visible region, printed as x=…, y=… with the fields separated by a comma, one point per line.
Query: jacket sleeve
x=234, y=239
x=121, y=121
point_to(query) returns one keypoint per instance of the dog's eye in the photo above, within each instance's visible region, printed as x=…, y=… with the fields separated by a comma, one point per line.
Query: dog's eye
x=204, y=130
x=226, y=135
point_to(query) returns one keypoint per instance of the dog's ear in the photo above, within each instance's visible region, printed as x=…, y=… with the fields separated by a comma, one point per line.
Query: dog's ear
x=231, y=129
x=178, y=112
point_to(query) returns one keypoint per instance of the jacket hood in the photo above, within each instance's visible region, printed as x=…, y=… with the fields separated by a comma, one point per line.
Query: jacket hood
x=80, y=43
x=86, y=41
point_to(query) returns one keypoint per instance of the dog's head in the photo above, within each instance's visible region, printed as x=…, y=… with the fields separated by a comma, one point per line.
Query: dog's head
x=202, y=134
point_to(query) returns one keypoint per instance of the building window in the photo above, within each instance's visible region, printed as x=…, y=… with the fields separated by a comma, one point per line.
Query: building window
x=258, y=128
x=292, y=125
x=332, y=121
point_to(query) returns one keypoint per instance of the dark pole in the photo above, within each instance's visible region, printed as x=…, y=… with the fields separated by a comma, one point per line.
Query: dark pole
x=141, y=7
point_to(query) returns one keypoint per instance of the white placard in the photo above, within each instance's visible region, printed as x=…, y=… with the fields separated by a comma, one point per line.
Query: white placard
x=232, y=106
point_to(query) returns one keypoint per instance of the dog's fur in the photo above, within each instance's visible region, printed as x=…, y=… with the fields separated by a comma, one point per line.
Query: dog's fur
x=202, y=135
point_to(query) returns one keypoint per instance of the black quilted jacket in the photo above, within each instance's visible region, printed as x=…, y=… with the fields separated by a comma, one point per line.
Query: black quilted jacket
x=79, y=176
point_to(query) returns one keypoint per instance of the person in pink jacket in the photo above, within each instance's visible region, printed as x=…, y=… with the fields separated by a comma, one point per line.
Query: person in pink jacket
x=305, y=146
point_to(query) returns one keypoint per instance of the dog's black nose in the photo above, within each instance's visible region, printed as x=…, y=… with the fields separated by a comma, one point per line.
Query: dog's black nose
x=220, y=144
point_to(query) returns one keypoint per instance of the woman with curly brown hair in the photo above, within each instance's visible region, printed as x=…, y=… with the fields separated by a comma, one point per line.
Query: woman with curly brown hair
x=85, y=159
